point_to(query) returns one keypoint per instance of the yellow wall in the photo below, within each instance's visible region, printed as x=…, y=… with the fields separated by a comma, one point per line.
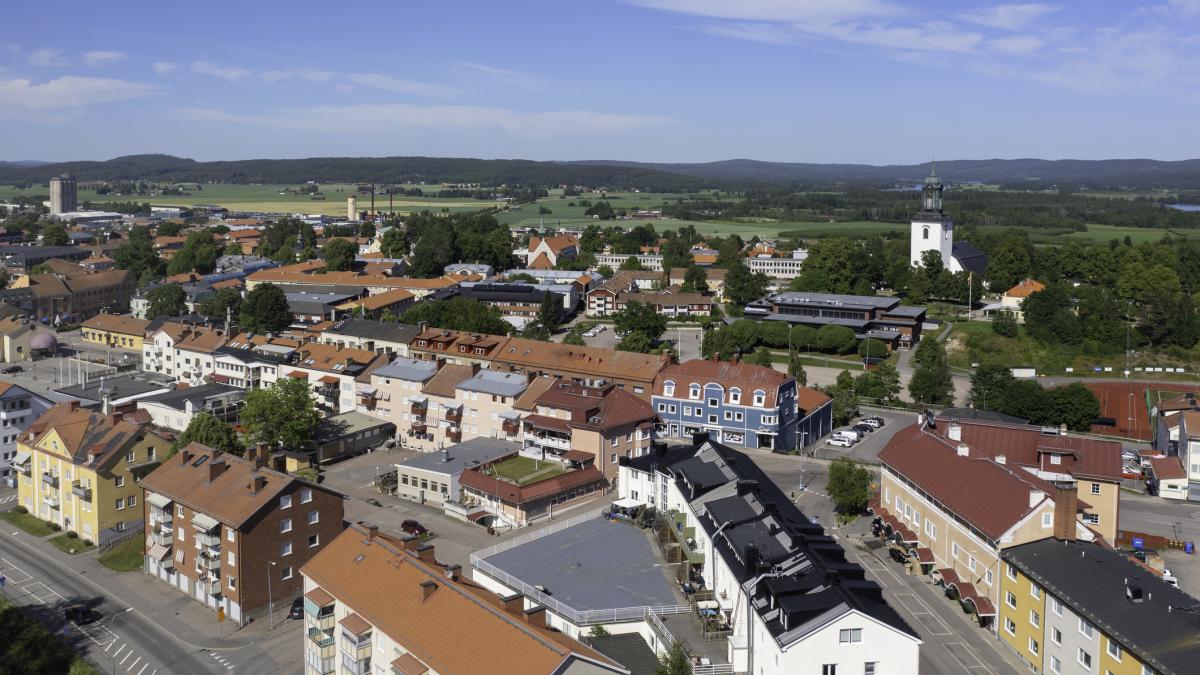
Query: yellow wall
x=112, y=338
x=86, y=518
x=1128, y=665
x=1026, y=603
x=1104, y=505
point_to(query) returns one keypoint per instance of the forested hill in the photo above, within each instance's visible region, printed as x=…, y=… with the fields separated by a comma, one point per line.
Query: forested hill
x=616, y=174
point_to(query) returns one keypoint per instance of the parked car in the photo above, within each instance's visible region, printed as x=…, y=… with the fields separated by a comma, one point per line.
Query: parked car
x=297, y=610
x=12, y=369
x=839, y=442
x=873, y=422
x=80, y=614
x=897, y=555
x=865, y=428
x=852, y=434
x=411, y=526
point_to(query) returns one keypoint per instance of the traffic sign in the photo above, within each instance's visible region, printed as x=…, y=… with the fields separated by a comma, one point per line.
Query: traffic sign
x=220, y=614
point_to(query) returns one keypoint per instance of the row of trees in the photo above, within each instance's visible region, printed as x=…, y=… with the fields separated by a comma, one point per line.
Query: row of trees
x=264, y=309
x=993, y=387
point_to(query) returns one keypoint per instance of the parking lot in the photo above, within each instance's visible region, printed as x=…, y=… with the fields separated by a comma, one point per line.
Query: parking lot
x=867, y=449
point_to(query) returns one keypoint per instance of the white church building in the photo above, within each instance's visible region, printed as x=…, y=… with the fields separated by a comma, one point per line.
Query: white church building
x=932, y=230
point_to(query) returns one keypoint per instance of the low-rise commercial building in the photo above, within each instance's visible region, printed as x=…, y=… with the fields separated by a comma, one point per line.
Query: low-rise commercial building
x=348, y=434
x=432, y=478
x=883, y=319
x=446, y=624
x=71, y=292
x=219, y=525
x=371, y=336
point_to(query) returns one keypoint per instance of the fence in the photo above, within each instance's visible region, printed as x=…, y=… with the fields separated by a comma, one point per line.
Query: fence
x=119, y=537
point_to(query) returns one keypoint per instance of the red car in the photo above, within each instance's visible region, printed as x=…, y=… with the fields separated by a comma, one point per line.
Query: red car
x=414, y=528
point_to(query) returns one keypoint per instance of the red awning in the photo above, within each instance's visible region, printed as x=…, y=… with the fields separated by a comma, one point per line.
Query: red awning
x=948, y=576
x=329, y=379
x=298, y=374
x=222, y=379
x=983, y=606
x=922, y=554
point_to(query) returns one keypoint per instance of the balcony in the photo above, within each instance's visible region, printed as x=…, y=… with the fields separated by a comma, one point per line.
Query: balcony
x=510, y=427
x=207, y=564
x=418, y=425
x=213, y=586
x=419, y=407
x=454, y=434
x=321, y=638
x=23, y=469
x=163, y=537
x=547, y=441
x=50, y=479
x=209, y=540
x=51, y=501
x=454, y=415
x=12, y=414
x=84, y=493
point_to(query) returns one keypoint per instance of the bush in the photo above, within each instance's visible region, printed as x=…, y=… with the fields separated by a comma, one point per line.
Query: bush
x=872, y=349
x=87, y=542
x=54, y=526
x=72, y=535
x=836, y=339
x=20, y=509
x=1005, y=323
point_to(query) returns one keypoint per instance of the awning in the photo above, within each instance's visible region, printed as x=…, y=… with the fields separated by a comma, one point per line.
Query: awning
x=510, y=415
x=366, y=390
x=222, y=379
x=418, y=399
x=21, y=458
x=983, y=606
x=947, y=575
x=329, y=379
x=205, y=523
x=158, y=551
x=922, y=554
x=355, y=624
x=319, y=597
x=298, y=374
x=161, y=501
x=627, y=503
x=408, y=665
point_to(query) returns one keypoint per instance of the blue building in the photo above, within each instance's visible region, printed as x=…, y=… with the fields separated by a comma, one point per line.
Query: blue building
x=739, y=404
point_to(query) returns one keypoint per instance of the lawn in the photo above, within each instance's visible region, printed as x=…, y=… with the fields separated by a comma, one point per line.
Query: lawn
x=30, y=523
x=70, y=545
x=524, y=470
x=126, y=556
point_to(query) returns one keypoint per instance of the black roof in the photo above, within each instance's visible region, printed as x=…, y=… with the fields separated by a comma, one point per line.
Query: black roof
x=246, y=355
x=506, y=293
x=971, y=258
x=177, y=399
x=980, y=415
x=628, y=649
x=1163, y=630
x=376, y=330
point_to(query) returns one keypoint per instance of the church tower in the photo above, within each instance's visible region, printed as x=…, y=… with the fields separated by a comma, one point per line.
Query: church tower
x=931, y=229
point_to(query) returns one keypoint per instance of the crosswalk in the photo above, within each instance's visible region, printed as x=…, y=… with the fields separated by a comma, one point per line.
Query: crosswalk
x=8, y=499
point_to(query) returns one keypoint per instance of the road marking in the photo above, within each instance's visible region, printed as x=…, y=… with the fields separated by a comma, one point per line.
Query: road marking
x=878, y=566
x=922, y=616
x=144, y=667
x=966, y=649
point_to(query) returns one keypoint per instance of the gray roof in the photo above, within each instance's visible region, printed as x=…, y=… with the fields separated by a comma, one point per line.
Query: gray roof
x=409, y=370
x=907, y=310
x=177, y=399
x=462, y=456
x=971, y=258
x=376, y=330
x=628, y=649
x=496, y=383
x=339, y=426
x=833, y=300
x=116, y=387
x=320, y=298
x=1161, y=630
x=596, y=564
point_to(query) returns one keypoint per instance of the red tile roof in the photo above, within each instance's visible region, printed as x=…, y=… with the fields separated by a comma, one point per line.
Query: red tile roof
x=1028, y=446
x=745, y=376
x=1167, y=468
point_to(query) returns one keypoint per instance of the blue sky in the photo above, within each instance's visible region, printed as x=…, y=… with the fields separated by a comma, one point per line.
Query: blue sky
x=872, y=81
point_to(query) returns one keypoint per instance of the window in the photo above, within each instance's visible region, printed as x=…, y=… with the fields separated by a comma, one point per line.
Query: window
x=662, y=407
x=305, y=496
x=1086, y=629
x=1095, y=488
x=829, y=669
x=694, y=392
x=613, y=459
x=1093, y=518
x=1114, y=650
x=614, y=441
x=1055, y=606
x=924, y=232
x=120, y=504
x=671, y=408
x=1056, y=459
x=1010, y=571
x=1047, y=520
x=869, y=667
x=119, y=481
x=1035, y=591
x=1056, y=636
x=230, y=533
x=760, y=397
x=285, y=525
x=987, y=577
x=285, y=501
x=314, y=540
x=1035, y=619
x=286, y=573
x=1010, y=599
x=668, y=388
x=130, y=501
x=1033, y=646
x=930, y=529
x=1009, y=626
x=735, y=395
x=232, y=558
x=971, y=563
x=232, y=583
x=1055, y=665
x=712, y=402
x=850, y=636
x=131, y=456
x=1085, y=659
x=285, y=548
x=953, y=550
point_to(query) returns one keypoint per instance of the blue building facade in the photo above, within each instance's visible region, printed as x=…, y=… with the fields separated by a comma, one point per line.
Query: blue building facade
x=736, y=404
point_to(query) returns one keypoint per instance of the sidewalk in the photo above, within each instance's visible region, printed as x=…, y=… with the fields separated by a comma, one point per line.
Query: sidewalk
x=179, y=614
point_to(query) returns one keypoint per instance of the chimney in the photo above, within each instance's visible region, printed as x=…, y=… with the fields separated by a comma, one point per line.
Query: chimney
x=259, y=455
x=746, y=486
x=185, y=456
x=1001, y=459
x=257, y=483
x=955, y=432
x=216, y=467
x=427, y=589
x=72, y=406
x=452, y=571
x=1066, y=503
x=716, y=356
x=536, y=616
x=425, y=553
x=445, y=454
x=514, y=604
x=371, y=531
x=1035, y=497
x=964, y=450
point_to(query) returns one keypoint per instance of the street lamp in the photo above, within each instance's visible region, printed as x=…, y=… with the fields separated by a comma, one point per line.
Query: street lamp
x=270, y=597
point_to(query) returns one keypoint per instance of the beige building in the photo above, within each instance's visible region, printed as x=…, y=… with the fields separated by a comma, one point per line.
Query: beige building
x=432, y=478
x=63, y=195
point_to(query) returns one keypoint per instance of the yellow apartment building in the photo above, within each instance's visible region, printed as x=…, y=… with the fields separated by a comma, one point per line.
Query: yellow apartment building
x=115, y=330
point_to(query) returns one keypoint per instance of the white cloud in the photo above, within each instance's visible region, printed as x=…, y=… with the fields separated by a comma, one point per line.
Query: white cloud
x=47, y=57
x=1016, y=44
x=932, y=36
x=228, y=73
x=303, y=74
x=767, y=33
x=1010, y=17
x=102, y=58
x=394, y=84
x=371, y=118
x=24, y=99
x=775, y=10
x=164, y=67
x=502, y=76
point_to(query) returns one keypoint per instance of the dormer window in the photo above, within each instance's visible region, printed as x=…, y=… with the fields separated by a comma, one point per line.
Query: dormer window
x=760, y=397
x=735, y=395
x=668, y=388
x=694, y=392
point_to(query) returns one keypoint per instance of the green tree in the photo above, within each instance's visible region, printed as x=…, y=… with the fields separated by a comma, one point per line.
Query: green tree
x=549, y=311
x=833, y=265
x=283, y=415
x=631, y=264
x=1027, y=399
x=166, y=300
x=872, y=349
x=636, y=341
x=458, y=313
x=55, y=235
x=761, y=357
x=222, y=300
x=743, y=286
x=849, y=486
x=1075, y=406
x=1005, y=323
x=366, y=230
x=199, y=253
x=695, y=280
x=394, y=244
x=138, y=256
x=845, y=398
x=931, y=381
x=233, y=248
x=675, y=253
x=605, y=271
x=881, y=383
x=835, y=339
x=168, y=228
x=637, y=317
x=339, y=255
x=990, y=384
x=206, y=429
x=1049, y=317
x=674, y=662
x=796, y=370
x=265, y=310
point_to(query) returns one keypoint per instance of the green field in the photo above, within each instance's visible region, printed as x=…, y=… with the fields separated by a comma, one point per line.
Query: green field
x=524, y=470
